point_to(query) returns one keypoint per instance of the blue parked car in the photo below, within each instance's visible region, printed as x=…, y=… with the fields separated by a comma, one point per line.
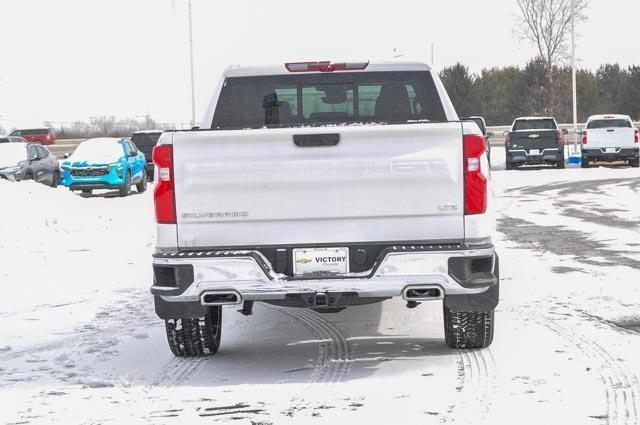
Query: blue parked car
x=105, y=163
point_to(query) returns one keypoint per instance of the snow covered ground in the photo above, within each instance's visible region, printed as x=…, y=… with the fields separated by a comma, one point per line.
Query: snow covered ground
x=80, y=343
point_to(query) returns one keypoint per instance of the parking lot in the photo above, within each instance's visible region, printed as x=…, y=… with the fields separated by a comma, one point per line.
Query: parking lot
x=79, y=327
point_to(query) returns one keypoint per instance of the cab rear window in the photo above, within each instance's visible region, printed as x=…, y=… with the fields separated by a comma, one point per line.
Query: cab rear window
x=609, y=123
x=522, y=125
x=327, y=99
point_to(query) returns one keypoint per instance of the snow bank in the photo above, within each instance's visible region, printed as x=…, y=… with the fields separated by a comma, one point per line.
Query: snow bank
x=59, y=249
x=12, y=153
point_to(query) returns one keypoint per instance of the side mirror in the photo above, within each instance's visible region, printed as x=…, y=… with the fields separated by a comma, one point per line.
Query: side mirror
x=66, y=155
x=578, y=131
x=133, y=154
x=565, y=131
x=490, y=134
x=34, y=157
x=506, y=133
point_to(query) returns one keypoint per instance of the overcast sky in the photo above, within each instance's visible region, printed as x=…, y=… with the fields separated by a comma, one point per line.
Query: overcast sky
x=66, y=60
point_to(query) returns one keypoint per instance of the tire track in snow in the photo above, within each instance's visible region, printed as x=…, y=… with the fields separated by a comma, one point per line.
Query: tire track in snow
x=620, y=385
x=178, y=370
x=478, y=387
x=332, y=363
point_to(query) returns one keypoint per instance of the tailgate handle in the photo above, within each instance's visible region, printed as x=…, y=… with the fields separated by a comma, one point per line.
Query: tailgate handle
x=611, y=130
x=316, y=140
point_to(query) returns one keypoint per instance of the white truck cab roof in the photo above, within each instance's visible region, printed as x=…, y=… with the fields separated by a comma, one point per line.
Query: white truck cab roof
x=285, y=68
x=609, y=117
x=533, y=118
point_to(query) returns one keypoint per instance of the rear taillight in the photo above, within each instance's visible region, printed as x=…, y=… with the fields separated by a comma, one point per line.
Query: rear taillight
x=507, y=140
x=584, y=137
x=559, y=137
x=636, y=136
x=47, y=137
x=164, y=193
x=475, y=183
x=325, y=66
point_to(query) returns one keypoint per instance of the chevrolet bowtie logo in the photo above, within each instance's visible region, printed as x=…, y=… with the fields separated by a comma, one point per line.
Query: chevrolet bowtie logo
x=303, y=261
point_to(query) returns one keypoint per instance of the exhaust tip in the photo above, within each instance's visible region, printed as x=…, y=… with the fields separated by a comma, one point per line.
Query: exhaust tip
x=220, y=298
x=423, y=293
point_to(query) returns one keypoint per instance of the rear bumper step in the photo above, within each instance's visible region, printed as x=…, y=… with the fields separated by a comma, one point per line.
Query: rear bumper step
x=240, y=276
x=600, y=154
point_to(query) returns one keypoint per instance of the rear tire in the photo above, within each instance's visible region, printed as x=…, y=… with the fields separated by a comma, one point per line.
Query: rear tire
x=195, y=337
x=509, y=166
x=560, y=163
x=468, y=329
x=142, y=186
x=125, y=190
x=584, y=162
x=635, y=163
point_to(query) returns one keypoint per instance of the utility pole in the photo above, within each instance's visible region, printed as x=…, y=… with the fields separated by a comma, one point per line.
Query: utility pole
x=193, y=90
x=573, y=76
x=432, y=55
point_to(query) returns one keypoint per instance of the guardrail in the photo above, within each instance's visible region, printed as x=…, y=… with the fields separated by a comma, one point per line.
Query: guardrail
x=63, y=146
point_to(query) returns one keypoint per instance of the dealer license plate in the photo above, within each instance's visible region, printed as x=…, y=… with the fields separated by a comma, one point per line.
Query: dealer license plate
x=320, y=261
x=610, y=150
x=534, y=151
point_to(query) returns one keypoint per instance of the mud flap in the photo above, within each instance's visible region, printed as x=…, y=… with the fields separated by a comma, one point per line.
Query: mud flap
x=178, y=310
x=485, y=301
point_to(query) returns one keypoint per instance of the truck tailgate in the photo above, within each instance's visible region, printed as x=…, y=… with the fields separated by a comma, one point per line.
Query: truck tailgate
x=379, y=183
x=534, y=140
x=613, y=137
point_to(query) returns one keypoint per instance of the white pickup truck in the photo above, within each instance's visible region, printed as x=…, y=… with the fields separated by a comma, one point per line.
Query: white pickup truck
x=610, y=138
x=324, y=185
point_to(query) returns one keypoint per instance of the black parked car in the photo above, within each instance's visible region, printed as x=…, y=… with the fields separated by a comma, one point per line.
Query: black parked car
x=534, y=141
x=28, y=161
x=145, y=141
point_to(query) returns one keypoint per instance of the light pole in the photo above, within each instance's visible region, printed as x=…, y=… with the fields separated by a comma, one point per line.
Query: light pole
x=193, y=90
x=432, y=55
x=573, y=76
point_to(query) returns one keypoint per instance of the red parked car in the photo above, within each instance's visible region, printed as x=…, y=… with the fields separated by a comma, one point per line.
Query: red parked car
x=44, y=136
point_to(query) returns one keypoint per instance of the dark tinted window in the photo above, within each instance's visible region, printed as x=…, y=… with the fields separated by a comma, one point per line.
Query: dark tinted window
x=478, y=121
x=617, y=123
x=4, y=140
x=145, y=139
x=132, y=148
x=321, y=99
x=33, y=152
x=534, y=125
x=42, y=152
x=30, y=132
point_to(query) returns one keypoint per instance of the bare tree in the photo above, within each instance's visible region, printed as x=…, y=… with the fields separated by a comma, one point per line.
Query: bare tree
x=547, y=25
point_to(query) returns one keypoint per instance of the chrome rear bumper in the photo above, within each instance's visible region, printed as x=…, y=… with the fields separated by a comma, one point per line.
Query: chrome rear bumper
x=250, y=275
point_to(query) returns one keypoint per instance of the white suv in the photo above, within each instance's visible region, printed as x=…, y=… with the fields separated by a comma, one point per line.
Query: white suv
x=610, y=138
